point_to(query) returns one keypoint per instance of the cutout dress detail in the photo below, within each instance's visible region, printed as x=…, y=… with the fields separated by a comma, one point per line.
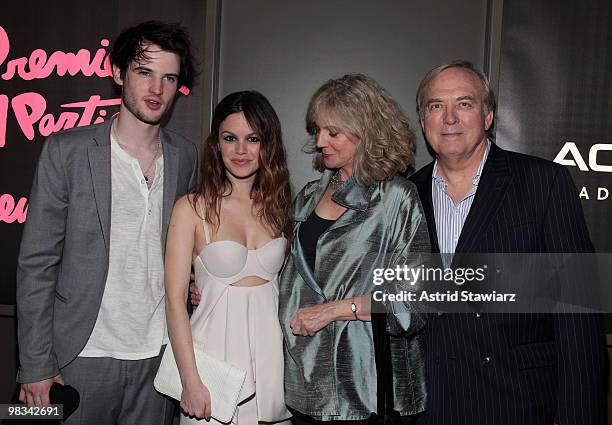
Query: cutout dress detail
x=239, y=324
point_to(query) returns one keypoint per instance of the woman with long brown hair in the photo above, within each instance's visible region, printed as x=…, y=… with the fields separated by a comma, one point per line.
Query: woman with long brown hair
x=234, y=230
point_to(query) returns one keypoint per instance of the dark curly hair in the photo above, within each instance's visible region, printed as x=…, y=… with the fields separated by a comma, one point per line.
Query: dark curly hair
x=131, y=45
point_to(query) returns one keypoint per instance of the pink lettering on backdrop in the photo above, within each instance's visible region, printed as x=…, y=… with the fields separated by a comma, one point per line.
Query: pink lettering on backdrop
x=3, y=115
x=5, y=46
x=30, y=107
x=40, y=65
x=11, y=211
x=89, y=108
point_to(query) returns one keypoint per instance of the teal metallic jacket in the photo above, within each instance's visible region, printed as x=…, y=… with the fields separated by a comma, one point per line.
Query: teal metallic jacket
x=332, y=375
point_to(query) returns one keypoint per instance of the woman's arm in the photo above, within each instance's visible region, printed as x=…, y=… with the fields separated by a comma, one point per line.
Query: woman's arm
x=410, y=247
x=308, y=321
x=409, y=239
x=195, y=399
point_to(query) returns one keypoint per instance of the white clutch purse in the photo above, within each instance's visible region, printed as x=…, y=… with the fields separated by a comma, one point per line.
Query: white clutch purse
x=224, y=382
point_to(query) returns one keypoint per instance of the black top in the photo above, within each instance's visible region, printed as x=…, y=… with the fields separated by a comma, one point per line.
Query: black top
x=309, y=234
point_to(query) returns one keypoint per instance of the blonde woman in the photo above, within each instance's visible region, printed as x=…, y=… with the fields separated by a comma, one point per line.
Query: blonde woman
x=359, y=216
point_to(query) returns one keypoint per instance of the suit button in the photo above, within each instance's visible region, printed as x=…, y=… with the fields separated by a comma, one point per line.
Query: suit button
x=486, y=360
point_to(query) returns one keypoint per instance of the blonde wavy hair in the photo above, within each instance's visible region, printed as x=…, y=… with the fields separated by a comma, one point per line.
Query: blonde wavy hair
x=357, y=105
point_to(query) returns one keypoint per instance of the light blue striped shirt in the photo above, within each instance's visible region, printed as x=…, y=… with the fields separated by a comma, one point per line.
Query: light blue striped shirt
x=450, y=217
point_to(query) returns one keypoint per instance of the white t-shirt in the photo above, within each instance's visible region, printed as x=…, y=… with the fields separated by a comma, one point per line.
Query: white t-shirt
x=131, y=323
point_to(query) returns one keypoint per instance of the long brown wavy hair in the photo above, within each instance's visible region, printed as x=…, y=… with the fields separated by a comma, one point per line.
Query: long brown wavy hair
x=271, y=192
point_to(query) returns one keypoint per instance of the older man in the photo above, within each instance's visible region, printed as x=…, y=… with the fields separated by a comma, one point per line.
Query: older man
x=478, y=198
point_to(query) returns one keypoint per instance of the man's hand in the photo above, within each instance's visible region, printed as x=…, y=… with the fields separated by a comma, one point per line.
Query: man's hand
x=37, y=393
x=195, y=295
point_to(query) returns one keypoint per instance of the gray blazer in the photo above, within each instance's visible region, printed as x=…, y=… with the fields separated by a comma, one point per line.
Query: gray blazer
x=63, y=260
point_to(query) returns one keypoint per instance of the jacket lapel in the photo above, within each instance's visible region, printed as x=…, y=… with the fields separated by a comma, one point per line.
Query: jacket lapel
x=171, y=164
x=351, y=196
x=303, y=268
x=100, y=167
x=312, y=197
x=489, y=196
x=423, y=182
x=356, y=199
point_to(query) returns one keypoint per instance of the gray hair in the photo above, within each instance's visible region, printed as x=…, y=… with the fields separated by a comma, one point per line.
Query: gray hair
x=488, y=96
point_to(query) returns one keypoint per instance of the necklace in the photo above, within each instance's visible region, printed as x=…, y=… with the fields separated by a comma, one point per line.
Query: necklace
x=145, y=173
x=335, y=181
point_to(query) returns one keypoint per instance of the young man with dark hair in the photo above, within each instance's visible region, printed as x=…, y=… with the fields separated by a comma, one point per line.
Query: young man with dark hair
x=131, y=46
x=90, y=290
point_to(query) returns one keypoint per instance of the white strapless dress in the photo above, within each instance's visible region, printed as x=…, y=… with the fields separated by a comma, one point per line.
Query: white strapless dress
x=239, y=324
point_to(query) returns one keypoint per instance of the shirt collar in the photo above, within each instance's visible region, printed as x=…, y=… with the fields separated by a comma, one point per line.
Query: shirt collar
x=440, y=180
x=118, y=150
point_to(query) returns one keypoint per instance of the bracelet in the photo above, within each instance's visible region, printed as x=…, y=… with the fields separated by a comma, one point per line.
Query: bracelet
x=354, y=308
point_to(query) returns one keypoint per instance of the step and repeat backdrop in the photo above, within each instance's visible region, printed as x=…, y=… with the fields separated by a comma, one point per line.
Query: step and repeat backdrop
x=554, y=92
x=54, y=76
x=555, y=95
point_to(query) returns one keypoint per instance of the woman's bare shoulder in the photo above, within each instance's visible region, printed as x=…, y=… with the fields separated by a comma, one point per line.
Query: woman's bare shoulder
x=185, y=207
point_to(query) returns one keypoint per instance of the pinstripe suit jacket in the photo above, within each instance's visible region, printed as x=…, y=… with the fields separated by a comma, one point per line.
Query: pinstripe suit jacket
x=515, y=368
